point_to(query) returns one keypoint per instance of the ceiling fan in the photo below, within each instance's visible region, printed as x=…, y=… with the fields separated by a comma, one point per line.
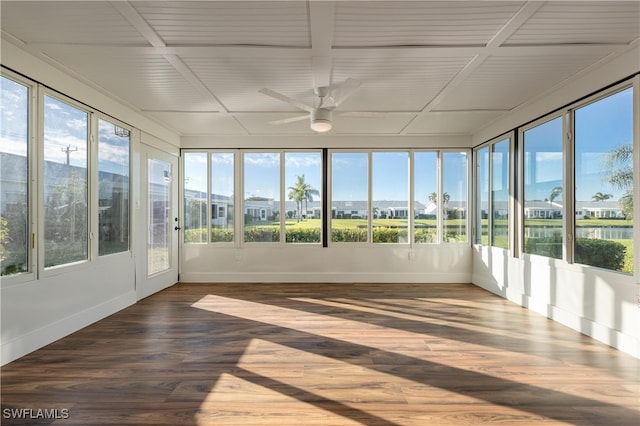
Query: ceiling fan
x=321, y=114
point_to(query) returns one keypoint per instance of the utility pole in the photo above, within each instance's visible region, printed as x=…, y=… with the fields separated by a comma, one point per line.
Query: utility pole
x=68, y=150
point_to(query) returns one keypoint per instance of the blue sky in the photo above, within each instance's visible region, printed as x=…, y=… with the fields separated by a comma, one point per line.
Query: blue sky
x=349, y=174
x=599, y=127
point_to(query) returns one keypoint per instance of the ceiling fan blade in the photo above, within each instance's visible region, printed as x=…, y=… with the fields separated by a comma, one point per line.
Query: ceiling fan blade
x=291, y=119
x=284, y=98
x=341, y=91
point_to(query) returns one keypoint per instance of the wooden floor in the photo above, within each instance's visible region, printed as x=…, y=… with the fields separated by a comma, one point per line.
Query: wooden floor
x=324, y=354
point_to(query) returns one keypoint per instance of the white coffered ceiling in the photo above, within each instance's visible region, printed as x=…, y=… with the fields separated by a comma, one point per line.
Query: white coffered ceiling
x=433, y=67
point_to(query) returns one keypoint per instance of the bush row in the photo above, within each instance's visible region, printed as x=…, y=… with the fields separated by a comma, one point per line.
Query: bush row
x=588, y=251
x=313, y=235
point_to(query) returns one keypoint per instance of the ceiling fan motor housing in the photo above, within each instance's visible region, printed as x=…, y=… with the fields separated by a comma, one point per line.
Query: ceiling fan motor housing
x=321, y=120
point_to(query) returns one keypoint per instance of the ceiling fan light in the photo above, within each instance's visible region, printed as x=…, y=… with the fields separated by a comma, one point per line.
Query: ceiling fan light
x=321, y=120
x=320, y=125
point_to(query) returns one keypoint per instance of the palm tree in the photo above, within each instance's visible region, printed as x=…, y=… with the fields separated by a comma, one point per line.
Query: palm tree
x=296, y=195
x=555, y=193
x=619, y=169
x=433, y=197
x=302, y=191
x=599, y=196
x=309, y=191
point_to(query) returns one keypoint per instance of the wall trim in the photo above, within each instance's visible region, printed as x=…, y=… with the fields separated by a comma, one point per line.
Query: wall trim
x=609, y=336
x=36, y=339
x=331, y=277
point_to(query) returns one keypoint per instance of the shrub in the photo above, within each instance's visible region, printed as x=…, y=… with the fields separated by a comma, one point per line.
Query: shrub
x=389, y=235
x=423, y=235
x=266, y=234
x=303, y=235
x=602, y=253
x=545, y=246
x=349, y=235
x=221, y=235
x=588, y=251
x=197, y=235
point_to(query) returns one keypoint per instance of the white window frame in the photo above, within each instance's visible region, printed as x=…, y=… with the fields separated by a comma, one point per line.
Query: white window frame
x=32, y=177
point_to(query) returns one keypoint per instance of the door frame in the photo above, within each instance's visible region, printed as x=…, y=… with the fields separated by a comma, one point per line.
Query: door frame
x=146, y=284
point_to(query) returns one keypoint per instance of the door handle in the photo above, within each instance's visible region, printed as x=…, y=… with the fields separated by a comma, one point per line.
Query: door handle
x=177, y=228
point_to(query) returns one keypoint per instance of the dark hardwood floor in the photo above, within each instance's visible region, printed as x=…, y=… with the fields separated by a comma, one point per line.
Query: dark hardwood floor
x=324, y=354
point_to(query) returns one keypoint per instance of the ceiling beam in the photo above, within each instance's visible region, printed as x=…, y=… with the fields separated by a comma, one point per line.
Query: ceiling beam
x=493, y=47
x=336, y=53
x=155, y=40
x=321, y=20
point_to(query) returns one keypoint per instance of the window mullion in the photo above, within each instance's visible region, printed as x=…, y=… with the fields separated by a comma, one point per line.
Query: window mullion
x=92, y=186
x=569, y=188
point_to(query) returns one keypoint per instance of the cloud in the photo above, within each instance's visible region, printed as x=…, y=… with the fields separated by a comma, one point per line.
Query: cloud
x=267, y=159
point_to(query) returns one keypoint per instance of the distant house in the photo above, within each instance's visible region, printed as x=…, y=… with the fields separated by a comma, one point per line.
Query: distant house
x=584, y=210
x=599, y=209
x=542, y=210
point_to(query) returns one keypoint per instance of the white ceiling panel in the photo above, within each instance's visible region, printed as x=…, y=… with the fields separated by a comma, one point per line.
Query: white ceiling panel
x=148, y=82
x=199, y=123
x=236, y=81
x=86, y=22
x=390, y=124
x=502, y=83
x=463, y=122
x=264, y=23
x=414, y=23
x=560, y=22
x=396, y=84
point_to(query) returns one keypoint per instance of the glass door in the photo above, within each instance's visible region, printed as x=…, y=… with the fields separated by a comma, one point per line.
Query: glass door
x=160, y=212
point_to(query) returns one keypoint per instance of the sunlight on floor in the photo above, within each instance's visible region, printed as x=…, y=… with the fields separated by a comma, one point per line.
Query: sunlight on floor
x=359, y=359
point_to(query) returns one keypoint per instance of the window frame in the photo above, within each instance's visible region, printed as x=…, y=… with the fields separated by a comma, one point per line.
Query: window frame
x=80, y=264
x=31, y=273
x=509, y=137
x=521, y=180
x=469, y=189
x=570, y=130
x=94, y=189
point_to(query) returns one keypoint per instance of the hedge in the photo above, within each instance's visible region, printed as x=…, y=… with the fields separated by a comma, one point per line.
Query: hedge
x=588, y=251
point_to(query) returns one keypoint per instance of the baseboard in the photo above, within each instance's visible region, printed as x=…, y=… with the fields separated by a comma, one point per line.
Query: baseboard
x=36, y=339
x=614, y=338
x=311, y=277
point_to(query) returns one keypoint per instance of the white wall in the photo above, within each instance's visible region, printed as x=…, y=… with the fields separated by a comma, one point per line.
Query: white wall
x=41, y=310
x=598, y=303
x=337, y=263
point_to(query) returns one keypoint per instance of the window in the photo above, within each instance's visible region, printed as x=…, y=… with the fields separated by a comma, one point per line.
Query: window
x=390, y=197
x=303, y=206
x=195, y=197
x=113, y=188
x=482, y=195
x=603, y=150
x=425, y=197
x=14, y=177
x=492, y=194
x=499, y=213
x=543, y=189
x=222, y=193
x=261, y=197
x=349, y=193
x=65, y=183
x=454, y=196
x=159, y=175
